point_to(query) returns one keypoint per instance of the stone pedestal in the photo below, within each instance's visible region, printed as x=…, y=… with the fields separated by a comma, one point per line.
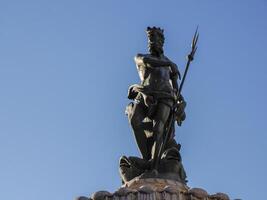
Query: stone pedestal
x=155, y=189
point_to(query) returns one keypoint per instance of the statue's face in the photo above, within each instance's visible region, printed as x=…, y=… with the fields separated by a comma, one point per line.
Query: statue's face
x=155, y=44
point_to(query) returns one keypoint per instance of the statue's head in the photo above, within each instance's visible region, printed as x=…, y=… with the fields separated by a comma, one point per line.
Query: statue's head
x=155, y=40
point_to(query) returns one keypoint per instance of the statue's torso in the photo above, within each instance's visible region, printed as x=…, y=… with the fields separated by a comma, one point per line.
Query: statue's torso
x=156, y=78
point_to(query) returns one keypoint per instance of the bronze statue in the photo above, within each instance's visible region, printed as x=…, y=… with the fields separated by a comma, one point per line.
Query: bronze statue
x=158, y=103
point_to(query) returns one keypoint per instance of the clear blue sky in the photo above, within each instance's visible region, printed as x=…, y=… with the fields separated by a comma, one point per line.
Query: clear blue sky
x=65, y=67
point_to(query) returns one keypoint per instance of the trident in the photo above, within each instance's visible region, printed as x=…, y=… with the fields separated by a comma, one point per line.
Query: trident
x=190, y=58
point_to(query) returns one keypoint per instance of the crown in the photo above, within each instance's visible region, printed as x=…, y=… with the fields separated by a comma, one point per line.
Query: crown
x=154, y=29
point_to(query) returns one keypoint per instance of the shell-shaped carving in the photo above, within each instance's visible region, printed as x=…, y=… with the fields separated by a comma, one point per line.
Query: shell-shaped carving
x=170, y=189
x=146, y=189
x=124, y=191
x=100, y=195
x=219, y=196
x=198, y=192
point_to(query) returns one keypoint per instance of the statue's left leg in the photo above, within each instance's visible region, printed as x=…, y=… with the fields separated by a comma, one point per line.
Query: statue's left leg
x=136, y=117
x=159, y=121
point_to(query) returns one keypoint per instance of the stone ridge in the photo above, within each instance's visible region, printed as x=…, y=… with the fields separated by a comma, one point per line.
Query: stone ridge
x=156, y=189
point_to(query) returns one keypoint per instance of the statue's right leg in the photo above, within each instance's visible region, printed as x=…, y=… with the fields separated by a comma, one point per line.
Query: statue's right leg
x=136, y=117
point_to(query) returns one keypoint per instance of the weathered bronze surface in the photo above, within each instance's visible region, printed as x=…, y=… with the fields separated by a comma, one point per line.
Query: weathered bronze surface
x=157, y=104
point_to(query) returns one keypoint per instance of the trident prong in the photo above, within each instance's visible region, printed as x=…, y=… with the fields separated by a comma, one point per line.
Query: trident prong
x=194, y=44
x=190, y=58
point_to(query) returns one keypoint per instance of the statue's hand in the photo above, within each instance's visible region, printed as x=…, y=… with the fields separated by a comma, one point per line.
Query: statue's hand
x=190, y=57
x=132, y=93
